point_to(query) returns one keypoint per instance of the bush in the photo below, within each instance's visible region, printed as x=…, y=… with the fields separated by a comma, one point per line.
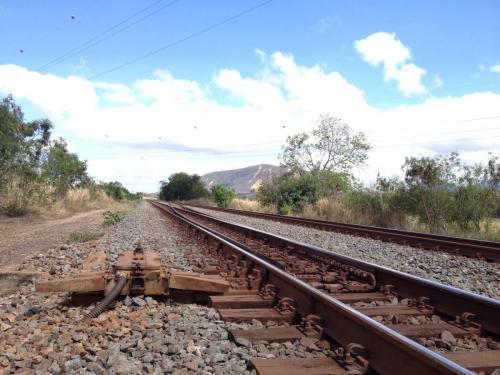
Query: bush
x=112, y=218
x=222, y=195
x=80, y=237
x=118, y=192
x=291, y=192
x=374, y=208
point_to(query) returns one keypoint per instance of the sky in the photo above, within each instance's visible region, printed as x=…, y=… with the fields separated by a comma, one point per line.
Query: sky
x=144, y=89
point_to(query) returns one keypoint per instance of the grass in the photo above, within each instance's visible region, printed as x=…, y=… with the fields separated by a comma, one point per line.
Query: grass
x=249, y=205
x=110, y=218
x=80, y=237
x=334, y=210
x=36, y=199
x=113, y=218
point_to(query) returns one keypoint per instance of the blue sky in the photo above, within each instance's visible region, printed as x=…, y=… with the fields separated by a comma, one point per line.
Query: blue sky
x=438, y=62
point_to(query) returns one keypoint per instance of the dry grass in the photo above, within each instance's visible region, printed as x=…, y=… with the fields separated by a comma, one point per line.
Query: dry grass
x=34, y=200
x=78, y=200
x=19, y=195
x=334, y=210
x=328, y=209
x=248, y=205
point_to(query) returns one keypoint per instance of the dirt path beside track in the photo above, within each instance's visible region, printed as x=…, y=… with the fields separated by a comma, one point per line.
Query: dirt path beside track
x=20, y=237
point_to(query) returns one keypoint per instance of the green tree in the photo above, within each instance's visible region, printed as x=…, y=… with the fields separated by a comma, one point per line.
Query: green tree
x=119, y=192
x=63, y=169
x=291, y=191
x=222, y=195
x=22, y=145
x=475, y=194
x=381, y=205
x=332, y=146
x=429, y=182
x=182, y=186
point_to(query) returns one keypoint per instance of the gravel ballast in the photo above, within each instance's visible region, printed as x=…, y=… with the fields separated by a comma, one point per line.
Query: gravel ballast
x=39, y=333
x=474, y=275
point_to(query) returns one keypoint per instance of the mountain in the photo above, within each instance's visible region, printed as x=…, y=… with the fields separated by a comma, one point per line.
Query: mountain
x=244, y=180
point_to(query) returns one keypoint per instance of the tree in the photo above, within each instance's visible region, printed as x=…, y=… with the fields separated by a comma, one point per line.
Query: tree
x=475, y=194
x=429, y=182
x=117, y=191
x=21, y=143
x=222, y=195
x=291, y=191
x=332, y=146
x=63, y=169
x=181, y=186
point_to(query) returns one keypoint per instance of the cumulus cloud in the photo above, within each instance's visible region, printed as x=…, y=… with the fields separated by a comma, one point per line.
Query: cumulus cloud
x=495, y=68
x=387, y=50
x=142, y=132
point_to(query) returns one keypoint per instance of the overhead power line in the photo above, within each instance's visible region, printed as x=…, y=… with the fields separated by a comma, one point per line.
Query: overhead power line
x=96, y=39
x=437, y=142
x=184, y=39
x=268, y=151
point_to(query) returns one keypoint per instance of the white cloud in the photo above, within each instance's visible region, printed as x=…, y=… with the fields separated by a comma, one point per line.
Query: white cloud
x=385, y=49
x=105, y=116
x=495, y=68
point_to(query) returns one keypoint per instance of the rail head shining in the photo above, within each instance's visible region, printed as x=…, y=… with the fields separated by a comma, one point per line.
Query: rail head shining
x=389, y=352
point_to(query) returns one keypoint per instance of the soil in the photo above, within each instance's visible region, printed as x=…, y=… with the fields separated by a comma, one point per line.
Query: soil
x=20, y=237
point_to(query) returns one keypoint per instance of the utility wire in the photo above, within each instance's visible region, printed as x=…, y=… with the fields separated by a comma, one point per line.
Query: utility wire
x=181, y=40
x=432, y=143
x=280, y=142
x=117, y=31
x=96, y=37
x=272, y=151
x=242, y=152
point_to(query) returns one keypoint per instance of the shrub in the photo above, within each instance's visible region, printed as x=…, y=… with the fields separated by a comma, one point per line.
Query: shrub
x=112, y=218
x=80, y=237
x=293, y=191
x=222, y=195
x=118, y=192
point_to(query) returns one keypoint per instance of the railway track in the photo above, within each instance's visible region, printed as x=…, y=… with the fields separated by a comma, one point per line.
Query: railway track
x=487, y=250
x=378, y=320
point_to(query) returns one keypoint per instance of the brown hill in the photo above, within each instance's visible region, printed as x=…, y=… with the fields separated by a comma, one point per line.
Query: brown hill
x=244, y=180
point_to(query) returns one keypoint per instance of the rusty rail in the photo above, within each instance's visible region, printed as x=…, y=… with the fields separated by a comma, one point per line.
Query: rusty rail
x=388, y=352
x=473, y=248
x=447, y=300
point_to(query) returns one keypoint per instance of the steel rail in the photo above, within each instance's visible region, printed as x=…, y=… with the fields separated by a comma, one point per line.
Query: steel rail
x=389, y=352
x=488, y=250
x=447, y=300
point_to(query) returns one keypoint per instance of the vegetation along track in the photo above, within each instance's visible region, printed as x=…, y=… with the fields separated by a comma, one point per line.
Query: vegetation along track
x=380, y=320
x=487, y=250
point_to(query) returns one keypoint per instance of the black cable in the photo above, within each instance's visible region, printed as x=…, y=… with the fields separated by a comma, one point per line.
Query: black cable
x=117, y=31
x=64, y=55
x=179, y=41
x=108, y=300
